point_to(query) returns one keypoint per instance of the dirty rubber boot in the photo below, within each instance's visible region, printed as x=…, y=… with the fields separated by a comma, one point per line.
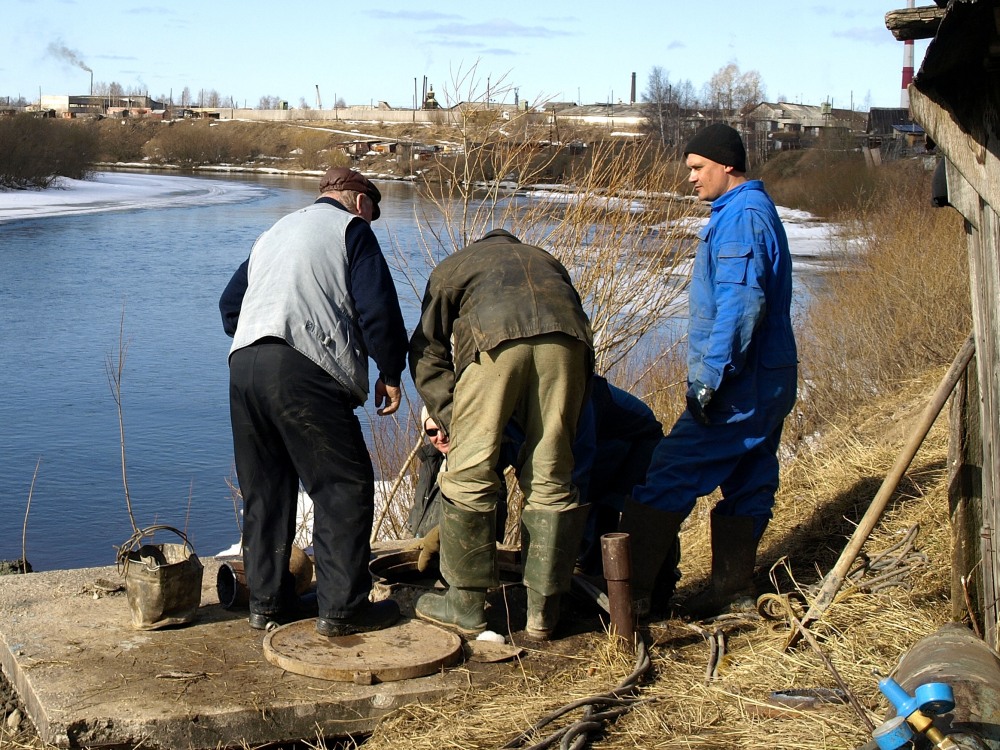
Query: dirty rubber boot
x=461, y=610
x=550, y=542
x=469, y=566
x=734, y=551
x=660, y=598
x=653, y=543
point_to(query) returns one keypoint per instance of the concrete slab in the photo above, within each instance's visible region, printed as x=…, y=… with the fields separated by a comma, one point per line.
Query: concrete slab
x=88, y=679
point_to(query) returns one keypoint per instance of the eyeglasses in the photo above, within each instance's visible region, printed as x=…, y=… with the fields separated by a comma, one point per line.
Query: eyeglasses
x=432, y=431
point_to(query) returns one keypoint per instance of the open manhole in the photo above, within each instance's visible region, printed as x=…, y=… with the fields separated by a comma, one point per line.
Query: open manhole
x=400, y=567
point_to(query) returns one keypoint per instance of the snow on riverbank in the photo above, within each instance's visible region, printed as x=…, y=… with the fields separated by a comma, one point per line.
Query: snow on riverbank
x=121, y=191
x=812, y=242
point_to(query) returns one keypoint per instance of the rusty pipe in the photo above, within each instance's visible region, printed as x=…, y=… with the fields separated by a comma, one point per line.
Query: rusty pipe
x=618, y=573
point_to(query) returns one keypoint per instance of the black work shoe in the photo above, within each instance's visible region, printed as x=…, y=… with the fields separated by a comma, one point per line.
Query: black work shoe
x=303, y=608
x=259, y=621
x=375, y=617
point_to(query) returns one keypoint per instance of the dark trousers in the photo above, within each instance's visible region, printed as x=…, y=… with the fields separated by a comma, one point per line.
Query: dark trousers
x=294, y=423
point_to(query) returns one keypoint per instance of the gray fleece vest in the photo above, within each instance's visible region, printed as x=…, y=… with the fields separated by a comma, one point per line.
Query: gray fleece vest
x=299, y=290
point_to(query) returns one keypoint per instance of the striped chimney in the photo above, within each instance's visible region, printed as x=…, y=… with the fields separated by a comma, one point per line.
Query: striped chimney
x=904, y=94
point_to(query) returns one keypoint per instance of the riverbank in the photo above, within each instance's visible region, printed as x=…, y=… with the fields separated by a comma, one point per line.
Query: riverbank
x=701, y=697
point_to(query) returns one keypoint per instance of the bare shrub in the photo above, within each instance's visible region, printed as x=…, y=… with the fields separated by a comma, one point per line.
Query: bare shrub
x=616, y=222
x=195, y=143
x=37, y=150
x=898, y=305
x=313, y=149
x=394, y=444
x=122, y=140
x=823, y=182
x=256, y=139
x=624, y=235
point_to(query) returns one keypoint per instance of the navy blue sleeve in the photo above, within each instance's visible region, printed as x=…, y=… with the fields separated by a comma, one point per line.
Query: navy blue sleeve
x=231, y=301
x=375, y=300
x=622, y=416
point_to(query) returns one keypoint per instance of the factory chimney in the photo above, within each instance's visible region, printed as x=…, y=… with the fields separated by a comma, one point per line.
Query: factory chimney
x=904, y=94
x=632, y=99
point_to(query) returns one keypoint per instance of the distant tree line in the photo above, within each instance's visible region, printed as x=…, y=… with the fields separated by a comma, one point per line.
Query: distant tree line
x=209, y=98
x=668, y=105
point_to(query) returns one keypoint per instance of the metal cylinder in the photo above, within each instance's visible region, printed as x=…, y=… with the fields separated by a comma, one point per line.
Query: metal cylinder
x=618, y=574
x=954, y=655
x=231, y=585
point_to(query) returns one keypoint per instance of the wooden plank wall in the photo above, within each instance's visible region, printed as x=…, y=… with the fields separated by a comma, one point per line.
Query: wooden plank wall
x=973, y=170
x=984, y=270
x=965, y=496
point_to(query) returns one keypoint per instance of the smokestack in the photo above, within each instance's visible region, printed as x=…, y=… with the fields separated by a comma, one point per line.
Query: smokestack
x=632, y=98
x=904, y=94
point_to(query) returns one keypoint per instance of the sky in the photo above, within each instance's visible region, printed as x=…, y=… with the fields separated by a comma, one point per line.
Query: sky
x=363, y=53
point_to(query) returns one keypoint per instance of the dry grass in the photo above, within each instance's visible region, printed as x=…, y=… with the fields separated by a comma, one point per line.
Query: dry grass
x=898, y=305
x=823, y=494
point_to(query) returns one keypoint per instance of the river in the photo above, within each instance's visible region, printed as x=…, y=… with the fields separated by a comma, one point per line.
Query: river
x=70, y=277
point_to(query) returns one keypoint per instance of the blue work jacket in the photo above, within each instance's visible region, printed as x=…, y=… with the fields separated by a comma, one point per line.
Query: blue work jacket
x=740, y=338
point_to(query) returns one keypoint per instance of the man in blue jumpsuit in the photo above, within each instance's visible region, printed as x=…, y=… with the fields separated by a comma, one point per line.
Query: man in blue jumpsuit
x=741, y=384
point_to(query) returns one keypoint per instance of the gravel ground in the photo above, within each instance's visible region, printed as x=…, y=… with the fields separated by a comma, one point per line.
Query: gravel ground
x=12, y=713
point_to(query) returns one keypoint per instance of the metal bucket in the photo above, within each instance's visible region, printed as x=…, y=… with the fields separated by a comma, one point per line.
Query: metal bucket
x=231, y=585
x=162, y=581
x=231, y=580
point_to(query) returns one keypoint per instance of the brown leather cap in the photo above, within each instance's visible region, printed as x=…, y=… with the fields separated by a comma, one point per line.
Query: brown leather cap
x=345, y=178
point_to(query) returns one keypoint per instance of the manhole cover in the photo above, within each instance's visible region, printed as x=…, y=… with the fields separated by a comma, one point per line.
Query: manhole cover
x=410, y=649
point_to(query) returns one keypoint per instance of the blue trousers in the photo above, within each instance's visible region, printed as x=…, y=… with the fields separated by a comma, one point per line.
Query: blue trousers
x=739, y=458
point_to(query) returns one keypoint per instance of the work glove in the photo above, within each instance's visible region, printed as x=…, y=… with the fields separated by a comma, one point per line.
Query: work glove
x=428, y=546
x=698, y=396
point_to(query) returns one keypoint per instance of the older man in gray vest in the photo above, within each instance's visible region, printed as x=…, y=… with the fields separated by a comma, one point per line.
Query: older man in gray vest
x=307, y=309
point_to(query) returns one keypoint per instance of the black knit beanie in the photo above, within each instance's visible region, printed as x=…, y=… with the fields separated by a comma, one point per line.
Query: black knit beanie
x=721, y=144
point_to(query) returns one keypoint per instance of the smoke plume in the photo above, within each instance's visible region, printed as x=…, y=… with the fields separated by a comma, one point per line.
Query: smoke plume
x=64, y=53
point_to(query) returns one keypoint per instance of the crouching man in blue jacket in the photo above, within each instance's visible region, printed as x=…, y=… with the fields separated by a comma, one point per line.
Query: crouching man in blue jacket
x=741, y=385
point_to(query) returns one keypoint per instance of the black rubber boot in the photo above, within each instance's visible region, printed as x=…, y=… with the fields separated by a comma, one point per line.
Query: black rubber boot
x=734, y=551
x=468, y=565
x=653, y=545
x=550, y=542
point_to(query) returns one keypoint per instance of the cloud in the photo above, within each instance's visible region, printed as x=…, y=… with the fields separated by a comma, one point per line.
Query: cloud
x=416, y=15
x=498, y=28
x=499, y=51
x=150, y=10
x=864, y=35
